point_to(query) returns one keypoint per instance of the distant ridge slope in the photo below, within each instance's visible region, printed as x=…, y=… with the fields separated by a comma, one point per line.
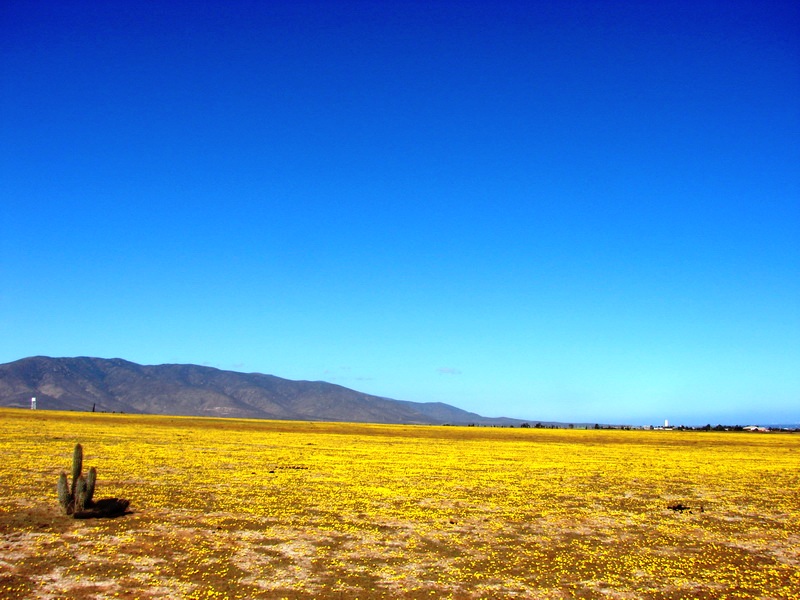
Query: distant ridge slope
x=116, y=385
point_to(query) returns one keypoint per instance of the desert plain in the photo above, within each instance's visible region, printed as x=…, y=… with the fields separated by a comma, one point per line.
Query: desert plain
x=227, y=508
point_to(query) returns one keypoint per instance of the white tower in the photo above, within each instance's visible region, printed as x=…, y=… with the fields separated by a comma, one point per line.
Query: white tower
x=33, y=403
x=666, y=422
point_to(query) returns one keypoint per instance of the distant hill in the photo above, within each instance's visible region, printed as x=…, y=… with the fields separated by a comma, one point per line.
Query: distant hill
x=116, y=385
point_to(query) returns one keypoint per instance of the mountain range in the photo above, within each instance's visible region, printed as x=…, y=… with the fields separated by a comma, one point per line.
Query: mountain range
x=116, y=385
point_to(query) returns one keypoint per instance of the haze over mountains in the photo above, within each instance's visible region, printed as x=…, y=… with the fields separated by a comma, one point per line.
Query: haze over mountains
x=116, y=385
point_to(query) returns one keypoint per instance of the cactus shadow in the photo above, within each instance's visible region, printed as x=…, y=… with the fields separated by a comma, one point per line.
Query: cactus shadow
x=107, y=508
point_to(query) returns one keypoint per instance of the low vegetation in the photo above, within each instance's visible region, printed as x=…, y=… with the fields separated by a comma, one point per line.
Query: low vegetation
x=265, y=509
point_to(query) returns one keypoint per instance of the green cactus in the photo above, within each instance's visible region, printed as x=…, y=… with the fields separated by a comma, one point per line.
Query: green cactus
x=77, y=466
x=77, y=500
x=78, y=496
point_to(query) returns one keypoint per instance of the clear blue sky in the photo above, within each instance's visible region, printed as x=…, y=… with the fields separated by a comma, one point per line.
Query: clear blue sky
x=578, y=211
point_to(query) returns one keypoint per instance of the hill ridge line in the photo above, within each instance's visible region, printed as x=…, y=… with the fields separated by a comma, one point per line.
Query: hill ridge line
x=86, y=383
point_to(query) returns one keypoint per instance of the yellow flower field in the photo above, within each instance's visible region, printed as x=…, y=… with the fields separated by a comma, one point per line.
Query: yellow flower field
x=266, y=509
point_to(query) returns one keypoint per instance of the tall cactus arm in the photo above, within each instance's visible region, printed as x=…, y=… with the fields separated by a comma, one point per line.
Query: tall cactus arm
x=77, y=466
